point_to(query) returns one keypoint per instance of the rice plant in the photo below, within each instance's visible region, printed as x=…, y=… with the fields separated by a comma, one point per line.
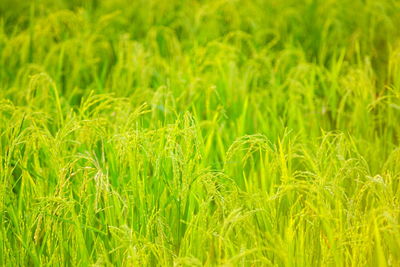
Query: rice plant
x=200, y=133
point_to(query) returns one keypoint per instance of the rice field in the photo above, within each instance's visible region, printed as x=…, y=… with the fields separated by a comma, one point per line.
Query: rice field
x=199, y=133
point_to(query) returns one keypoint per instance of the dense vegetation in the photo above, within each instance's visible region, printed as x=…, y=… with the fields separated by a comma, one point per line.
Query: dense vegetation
x=190, y=133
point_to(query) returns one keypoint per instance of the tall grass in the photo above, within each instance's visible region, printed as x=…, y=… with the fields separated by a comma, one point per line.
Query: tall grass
x=191, y=133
